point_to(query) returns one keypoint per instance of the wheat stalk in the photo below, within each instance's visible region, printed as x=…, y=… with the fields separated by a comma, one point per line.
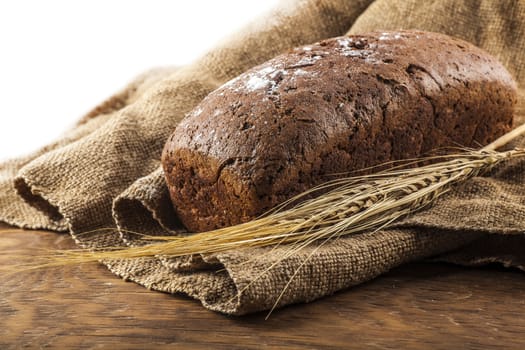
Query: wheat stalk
x=347, y=206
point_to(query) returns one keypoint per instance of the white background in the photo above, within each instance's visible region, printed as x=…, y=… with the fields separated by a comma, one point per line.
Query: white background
x=58, y=58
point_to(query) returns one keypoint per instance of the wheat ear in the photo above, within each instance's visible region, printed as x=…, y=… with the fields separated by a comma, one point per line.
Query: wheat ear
x=348, y=205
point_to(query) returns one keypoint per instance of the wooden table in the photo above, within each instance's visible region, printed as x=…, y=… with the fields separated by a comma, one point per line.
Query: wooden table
x=413, y=307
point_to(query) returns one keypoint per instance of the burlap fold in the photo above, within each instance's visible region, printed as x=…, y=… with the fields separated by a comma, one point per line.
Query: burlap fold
x=105, y=174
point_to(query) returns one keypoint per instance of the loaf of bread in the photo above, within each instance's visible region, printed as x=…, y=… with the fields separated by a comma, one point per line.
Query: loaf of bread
x=328, y=108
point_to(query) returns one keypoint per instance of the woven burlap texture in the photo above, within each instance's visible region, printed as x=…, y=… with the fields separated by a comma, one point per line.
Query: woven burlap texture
x=105, y=172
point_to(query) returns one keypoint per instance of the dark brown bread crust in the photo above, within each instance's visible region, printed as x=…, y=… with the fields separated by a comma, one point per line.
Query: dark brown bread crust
x=331, y=107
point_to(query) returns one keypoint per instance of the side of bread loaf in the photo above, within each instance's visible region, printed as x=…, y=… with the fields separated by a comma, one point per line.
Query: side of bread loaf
x=335, y=106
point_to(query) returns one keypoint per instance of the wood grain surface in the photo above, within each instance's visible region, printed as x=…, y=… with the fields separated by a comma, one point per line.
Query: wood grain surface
x=416, y=306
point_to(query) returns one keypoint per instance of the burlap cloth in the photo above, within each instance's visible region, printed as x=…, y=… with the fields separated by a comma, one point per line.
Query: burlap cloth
x=104, y=172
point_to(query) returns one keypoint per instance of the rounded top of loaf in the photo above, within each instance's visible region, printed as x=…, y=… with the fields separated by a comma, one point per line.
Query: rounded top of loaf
x=300, y=81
